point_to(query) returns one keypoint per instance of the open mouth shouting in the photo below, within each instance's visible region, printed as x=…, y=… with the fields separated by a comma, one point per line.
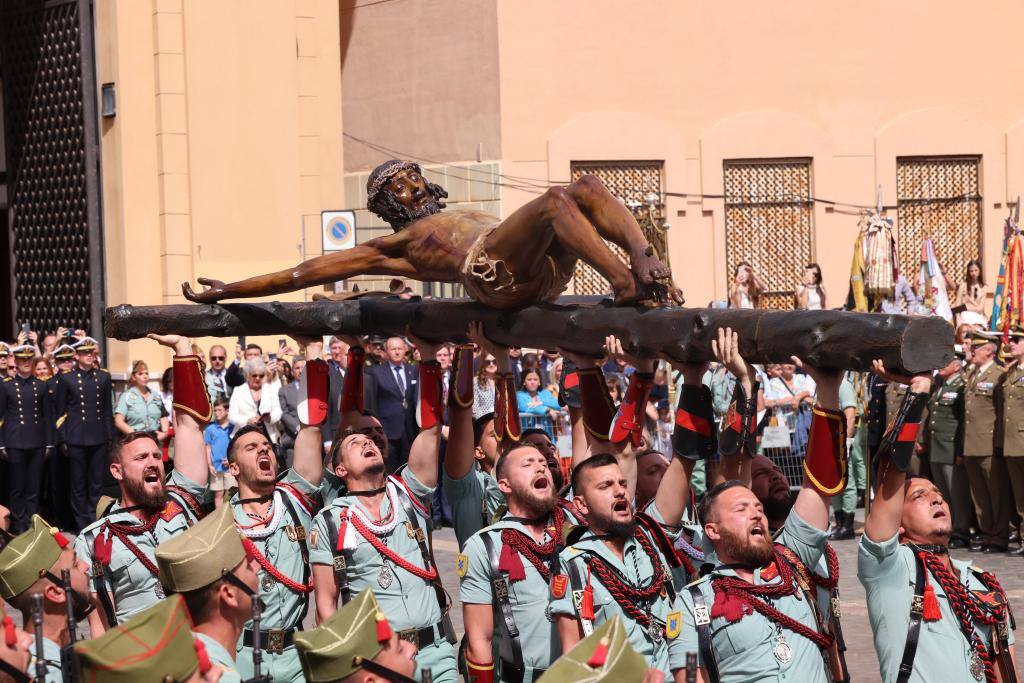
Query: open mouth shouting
x=541, y=483
x=264, y=462
x=621, y=507
x=758, y=530
x=151, y=476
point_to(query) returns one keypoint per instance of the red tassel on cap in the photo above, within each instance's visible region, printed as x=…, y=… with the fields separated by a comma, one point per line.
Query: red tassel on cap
x=600, y=655
x=383, y=628
x=511, y=562
x=10, y=635
x=204, y=658
x=59, y=537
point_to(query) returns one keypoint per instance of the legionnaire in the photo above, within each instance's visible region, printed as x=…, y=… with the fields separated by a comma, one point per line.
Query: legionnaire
x=26, y=435
x=377, y=536
x=1009, y=400
x=755, y=611
x=155, y=645
x=31, y=564
x=909, y=577
x=505, y=572
x=986, y=470
x=84, y=399
x=119, y=546
x=945, y=439
x=14, y=650
x=604, y=655
x=274, y=512
x=209, y=567
x=356, y=645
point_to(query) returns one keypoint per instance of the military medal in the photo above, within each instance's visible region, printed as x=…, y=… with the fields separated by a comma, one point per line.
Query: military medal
x=654, y=630
x=977, y=667
x=783, y=651
x=385, y=577
x=159, y=590
x=267, y=583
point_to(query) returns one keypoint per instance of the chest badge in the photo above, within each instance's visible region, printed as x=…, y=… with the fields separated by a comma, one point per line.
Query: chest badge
x=461, y=565
x=673, y=625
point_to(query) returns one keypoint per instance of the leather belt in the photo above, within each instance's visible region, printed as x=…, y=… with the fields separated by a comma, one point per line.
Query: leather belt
x=424, y=637
x=273, y=640
x=510, y=673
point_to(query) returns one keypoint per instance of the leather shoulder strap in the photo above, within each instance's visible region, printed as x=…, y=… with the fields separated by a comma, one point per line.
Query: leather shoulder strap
x=338, y=563
x=702, y=620
x=576, y=583
x=509, y=645
x=914, y=628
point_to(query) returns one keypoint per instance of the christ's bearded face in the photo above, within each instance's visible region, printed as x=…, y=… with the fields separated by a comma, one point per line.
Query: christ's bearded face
x=409, y=188
x=405, y=196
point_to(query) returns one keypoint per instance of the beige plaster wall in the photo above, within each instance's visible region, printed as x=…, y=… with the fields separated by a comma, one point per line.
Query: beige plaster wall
x=421, y=78
x=854, y=86
x=226, y=146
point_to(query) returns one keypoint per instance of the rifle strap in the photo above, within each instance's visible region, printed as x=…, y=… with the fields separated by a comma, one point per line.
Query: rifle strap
x=914, y=627
x=702, y=620
x=338, y=563
x=576, y=582
x=509, y=645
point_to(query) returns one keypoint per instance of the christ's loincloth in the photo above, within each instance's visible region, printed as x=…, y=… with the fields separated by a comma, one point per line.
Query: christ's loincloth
x=491, y=283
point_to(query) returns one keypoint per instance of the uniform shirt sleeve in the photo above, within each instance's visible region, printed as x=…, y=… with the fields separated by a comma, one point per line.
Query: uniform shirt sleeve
x=122, y=404
x=295, y=479
x=417, y=488
x=803, y=539
x=847, y=396
x=687, y=640
x=197, y=490
x=321, y=552
x=877, y=560
x=564, y=604
x=83, y=549
x=475, y=585
x=465, y=495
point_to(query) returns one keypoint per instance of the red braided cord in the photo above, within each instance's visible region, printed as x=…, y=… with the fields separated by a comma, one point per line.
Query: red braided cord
x=832, y=564
x=533, y=551
x=426, y=575
x=123, y=531
x=750, y=595
x=966, y=607
x=628, y=596
x=264, y=563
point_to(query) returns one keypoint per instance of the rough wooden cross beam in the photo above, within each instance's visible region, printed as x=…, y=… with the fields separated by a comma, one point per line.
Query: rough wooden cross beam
x=823, y=338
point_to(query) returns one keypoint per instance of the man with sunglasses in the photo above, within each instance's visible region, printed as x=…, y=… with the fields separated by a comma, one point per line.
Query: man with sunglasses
x=118, y=548
x=31, y=564
x=216, y=374
x=274, y=512
x=208, y=564
x=84, y=402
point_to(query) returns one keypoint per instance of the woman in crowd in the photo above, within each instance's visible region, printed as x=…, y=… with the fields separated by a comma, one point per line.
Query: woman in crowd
x=971, y=294
x=41, y=368
x=254, y=402
x=534, y=400
x=139, y=409
x=810, y=293
x=791, y=396
x=284, y=371
x=483, y=385
x=555, y=375
x=746, y=288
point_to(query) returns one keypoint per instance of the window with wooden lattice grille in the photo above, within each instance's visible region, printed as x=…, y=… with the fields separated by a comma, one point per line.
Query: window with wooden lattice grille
x=938, y=197
x=628, y=181
x=769, y=223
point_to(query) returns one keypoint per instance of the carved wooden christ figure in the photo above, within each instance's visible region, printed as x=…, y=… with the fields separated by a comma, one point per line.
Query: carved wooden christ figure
x=525, y=259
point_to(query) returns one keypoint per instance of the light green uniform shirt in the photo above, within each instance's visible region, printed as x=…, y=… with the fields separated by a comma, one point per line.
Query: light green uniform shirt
x=529, y=598
x=283, y=607
x=51, y=655
x=142, y=415
x=847, y=394
x=220, y=657
x=744, y=648
x=408, y=600
x=637, y=569
x=131, y=586
x=474, y=499
x=887, y=571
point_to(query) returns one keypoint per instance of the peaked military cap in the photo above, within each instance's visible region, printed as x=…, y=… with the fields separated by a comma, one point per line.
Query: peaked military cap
x=24, y=351
x=27, y=556
x=202, y=553
x=85, y=344
x=64, y=352
x=339, y=646
x=980, y=338
x=5, y=349
x=154, y=645
x=1017, y=331
x=604, y=655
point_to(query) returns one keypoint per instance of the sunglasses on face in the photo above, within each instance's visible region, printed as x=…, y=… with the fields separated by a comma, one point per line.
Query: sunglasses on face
x=217, y=357
x=259, y=376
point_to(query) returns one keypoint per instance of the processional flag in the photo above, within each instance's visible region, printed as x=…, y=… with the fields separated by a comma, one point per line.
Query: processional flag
x=932, y=284
x=1009, y=294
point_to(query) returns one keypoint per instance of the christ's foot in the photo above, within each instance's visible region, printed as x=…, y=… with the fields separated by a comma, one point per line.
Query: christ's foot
x=648, y=268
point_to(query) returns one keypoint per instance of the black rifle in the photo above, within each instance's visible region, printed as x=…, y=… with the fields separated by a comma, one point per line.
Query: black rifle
x=37, y=620
x=68, y=664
